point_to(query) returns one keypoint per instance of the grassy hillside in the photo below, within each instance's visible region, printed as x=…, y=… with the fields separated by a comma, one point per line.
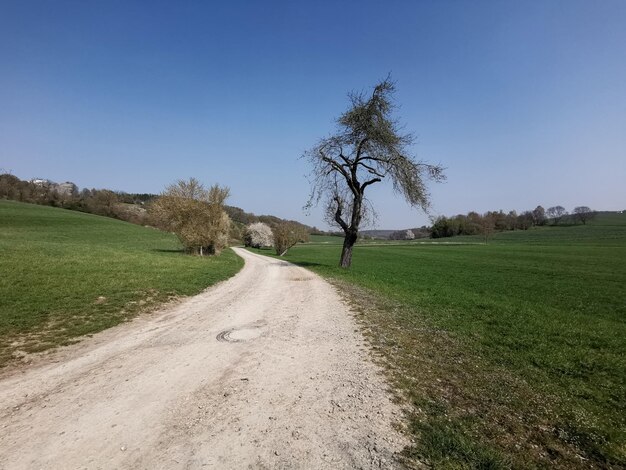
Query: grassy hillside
x=66, y=274
x=512, y=353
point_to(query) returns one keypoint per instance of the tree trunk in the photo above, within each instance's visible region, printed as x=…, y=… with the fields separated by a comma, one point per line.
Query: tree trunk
x=346, y=252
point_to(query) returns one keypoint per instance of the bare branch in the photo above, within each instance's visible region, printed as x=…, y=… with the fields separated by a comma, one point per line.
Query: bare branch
x=367, y=183
x=372, y=170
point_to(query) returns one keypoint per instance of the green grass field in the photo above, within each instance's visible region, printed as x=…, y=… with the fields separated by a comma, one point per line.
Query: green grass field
x=513, y=354
x=66, y=274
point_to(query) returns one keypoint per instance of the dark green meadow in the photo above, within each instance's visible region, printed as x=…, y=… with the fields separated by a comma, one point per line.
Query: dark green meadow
x=66, y=274
x=513, y=354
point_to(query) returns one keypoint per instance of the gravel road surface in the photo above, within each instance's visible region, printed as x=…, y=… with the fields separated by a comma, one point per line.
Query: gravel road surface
x=265, y=370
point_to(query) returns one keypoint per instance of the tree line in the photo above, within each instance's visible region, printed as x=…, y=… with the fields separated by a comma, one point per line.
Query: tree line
x=486, y=224
x=119, y=205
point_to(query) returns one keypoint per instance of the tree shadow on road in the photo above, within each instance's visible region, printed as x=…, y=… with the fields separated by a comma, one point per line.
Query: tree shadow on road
x=304, y=264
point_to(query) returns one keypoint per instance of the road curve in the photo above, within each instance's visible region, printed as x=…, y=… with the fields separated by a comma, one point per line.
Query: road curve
x=265, y=370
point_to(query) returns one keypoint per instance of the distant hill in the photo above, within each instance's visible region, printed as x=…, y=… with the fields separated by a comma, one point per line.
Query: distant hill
x=382, y=234
x=422, y=232
x=242, y=217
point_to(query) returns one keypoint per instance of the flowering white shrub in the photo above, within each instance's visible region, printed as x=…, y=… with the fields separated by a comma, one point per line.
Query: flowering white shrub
x=258, y=235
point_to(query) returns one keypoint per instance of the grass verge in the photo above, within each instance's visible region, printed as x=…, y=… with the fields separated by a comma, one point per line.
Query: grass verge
x=66, y=274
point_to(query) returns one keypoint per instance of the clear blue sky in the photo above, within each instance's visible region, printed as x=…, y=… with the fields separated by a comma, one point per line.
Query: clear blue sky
x=523, y=101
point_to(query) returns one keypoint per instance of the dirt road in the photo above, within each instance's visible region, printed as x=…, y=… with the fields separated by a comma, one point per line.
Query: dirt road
x=265, y=370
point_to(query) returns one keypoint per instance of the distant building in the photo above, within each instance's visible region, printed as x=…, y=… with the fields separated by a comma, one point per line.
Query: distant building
x=66, y=189
x=63, y=189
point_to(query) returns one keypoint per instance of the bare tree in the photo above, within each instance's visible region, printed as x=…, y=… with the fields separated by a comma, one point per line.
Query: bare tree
x=556, y=213
x=367, y=148
x=583, y=214
x=103, y=202
x=524, y=220
x=487, y=226
x=539, y=216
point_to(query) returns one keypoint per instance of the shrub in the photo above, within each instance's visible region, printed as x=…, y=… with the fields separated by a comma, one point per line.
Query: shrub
x=258, y=235
x=196, y=215
x=286, y=235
